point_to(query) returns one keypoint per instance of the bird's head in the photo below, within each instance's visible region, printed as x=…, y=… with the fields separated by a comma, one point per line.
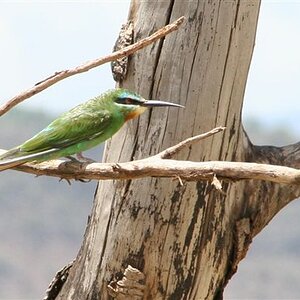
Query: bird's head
x=132, y=104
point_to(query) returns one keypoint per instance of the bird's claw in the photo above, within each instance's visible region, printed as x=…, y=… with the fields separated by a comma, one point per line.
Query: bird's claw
x=80, y=158
x=85, y=180
x=73, y=159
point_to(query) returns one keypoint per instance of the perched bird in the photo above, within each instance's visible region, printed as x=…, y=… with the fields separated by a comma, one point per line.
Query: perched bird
x=81, y=128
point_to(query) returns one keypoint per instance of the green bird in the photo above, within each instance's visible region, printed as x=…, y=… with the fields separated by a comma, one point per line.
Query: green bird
x=81, y=128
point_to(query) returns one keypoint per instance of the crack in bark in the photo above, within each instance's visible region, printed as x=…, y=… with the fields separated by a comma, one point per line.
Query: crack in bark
x=224, y=68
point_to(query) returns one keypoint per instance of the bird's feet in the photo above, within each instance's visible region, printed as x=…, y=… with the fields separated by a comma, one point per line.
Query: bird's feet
x=73, y=159
x=80, y=158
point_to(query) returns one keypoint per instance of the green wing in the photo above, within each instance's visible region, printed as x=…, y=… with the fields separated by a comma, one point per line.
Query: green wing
x=79, y=124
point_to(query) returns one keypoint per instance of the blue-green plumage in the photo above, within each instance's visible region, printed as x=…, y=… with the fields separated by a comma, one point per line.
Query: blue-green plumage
x=81, y=128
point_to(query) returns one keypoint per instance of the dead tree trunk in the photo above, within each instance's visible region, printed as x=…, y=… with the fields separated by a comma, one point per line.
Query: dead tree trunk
x=186, y=240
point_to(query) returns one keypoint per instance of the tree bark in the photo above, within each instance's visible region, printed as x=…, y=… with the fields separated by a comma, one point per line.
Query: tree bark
x=183, y=241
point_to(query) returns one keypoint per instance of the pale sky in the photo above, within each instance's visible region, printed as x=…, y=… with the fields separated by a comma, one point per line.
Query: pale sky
x=273, y=87
x=40, y=37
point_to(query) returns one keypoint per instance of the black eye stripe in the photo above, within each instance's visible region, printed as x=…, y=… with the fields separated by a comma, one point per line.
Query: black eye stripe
x=127, y=101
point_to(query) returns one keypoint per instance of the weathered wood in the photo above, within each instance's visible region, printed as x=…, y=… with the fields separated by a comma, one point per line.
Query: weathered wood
x=156, y=167
x=188, y=239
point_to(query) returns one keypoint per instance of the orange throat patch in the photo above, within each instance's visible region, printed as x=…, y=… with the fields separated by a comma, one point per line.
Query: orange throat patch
x=135, y=113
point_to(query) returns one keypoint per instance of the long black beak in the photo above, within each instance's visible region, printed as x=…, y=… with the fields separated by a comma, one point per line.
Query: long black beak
x=154, y=103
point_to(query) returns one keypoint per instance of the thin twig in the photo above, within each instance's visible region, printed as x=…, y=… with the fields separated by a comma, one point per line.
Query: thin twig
x=58, y=76
x=168, y=153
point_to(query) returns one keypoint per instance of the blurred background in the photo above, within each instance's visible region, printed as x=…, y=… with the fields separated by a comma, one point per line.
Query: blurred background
x=42, y=220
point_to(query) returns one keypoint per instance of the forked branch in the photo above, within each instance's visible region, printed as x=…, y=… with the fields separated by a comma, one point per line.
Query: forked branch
x=158, y=166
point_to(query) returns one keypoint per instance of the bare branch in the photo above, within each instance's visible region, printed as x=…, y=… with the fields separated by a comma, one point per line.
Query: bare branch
x=186, y=170
x=58, y=76
x=157, y=166
x=176, y=148
x=287, y=155
x=58, y=281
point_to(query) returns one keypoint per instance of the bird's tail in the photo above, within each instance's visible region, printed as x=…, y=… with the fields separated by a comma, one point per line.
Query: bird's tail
x=16, y=157
x=11, y=158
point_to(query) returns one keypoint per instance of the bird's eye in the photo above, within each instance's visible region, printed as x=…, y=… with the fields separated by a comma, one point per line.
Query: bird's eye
x=125, y=101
